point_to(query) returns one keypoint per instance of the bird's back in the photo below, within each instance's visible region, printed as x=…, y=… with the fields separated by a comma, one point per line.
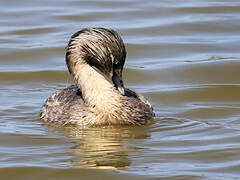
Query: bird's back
x=65, y=106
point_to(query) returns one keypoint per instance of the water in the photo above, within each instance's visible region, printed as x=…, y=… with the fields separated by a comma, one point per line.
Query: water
x=183, y=56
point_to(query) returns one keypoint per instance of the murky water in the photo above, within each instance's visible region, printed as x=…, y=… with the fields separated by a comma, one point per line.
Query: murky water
x=184, y=56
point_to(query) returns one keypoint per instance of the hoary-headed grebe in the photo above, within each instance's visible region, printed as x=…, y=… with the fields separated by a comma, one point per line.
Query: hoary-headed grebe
x=95, y=58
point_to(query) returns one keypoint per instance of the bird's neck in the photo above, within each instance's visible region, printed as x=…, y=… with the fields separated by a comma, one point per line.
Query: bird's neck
x=96, y=90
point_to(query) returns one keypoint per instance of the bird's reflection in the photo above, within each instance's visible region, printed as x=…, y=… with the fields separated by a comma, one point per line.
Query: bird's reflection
x=103, y=148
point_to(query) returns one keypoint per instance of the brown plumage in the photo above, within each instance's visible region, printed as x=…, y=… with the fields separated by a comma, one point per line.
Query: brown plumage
x=95, y=58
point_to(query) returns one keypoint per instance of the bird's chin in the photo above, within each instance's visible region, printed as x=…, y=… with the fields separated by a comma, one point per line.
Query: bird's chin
x=121, y=90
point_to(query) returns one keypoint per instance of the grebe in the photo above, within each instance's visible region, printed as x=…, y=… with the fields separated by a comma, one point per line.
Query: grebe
x=95, y=58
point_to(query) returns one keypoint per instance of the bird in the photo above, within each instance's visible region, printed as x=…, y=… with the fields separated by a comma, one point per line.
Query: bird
x=95, y=58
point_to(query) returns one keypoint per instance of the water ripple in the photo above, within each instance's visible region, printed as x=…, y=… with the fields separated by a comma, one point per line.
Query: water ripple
x=183, y=56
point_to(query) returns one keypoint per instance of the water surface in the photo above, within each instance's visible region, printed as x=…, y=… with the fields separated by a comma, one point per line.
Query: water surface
x=183, y=56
